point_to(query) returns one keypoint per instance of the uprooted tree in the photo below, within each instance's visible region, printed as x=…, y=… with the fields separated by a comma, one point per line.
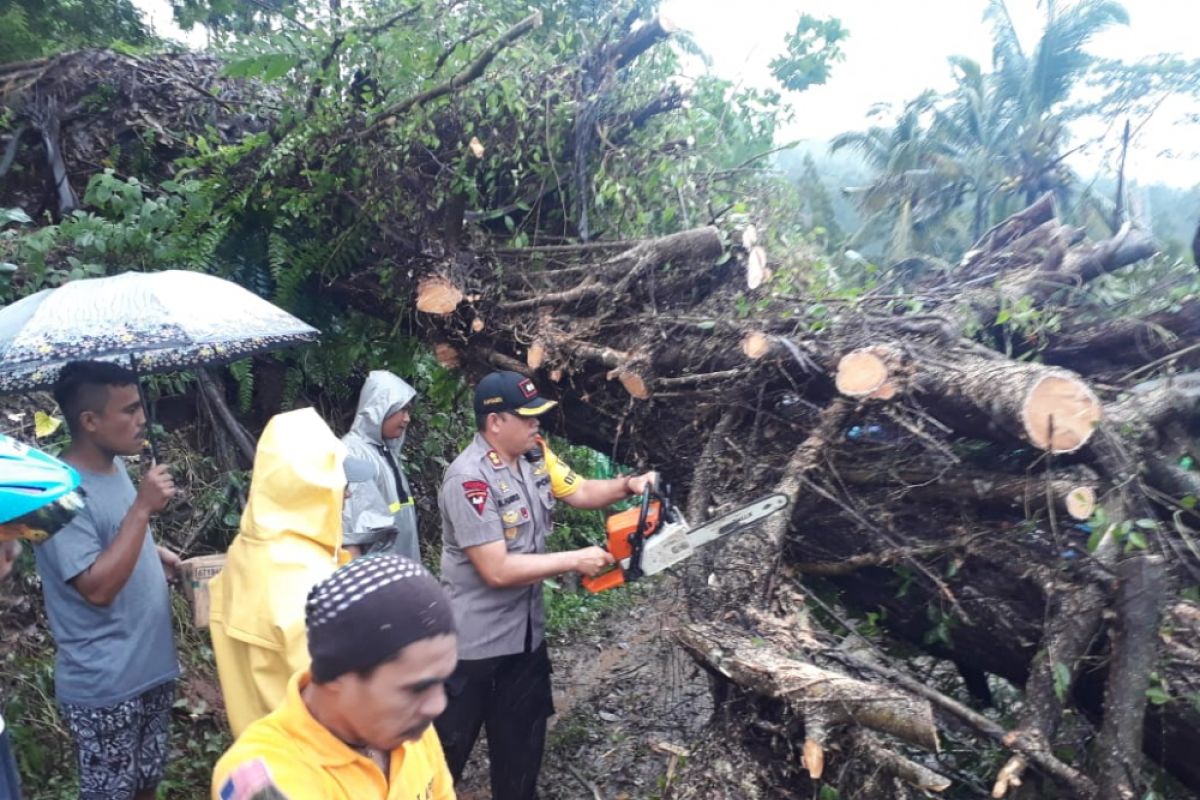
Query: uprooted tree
x=974, y=491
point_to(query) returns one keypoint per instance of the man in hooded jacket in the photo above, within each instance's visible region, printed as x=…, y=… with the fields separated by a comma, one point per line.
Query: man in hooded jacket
x=382, y=517
x=290, y=539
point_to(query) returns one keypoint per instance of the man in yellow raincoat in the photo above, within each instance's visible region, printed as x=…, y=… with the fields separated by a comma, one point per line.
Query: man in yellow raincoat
x=290, y=539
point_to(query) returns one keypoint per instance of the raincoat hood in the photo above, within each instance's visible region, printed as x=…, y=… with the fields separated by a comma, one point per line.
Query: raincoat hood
x=298, y=484
x=383, y=394
x=290, y=538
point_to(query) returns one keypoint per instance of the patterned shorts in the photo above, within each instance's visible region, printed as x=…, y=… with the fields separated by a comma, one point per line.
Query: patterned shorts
x=122, y=749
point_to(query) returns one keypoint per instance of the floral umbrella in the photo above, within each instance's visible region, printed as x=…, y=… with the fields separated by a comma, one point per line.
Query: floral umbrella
x=149, y=321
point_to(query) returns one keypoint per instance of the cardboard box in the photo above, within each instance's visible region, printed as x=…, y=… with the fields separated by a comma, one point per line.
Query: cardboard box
x=195, y=575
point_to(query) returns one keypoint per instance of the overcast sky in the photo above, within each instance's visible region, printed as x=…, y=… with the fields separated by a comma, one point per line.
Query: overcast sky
x=895, y=50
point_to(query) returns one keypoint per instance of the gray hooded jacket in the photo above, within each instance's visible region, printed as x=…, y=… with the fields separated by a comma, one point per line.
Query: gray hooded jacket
x=379, y=516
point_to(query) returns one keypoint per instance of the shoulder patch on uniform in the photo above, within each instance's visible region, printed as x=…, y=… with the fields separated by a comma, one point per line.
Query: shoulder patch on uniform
x=494, y=458
x=247, y=781
x=476, y=493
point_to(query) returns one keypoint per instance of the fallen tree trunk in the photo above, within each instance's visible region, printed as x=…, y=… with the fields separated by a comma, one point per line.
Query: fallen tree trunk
x=1052, y=409
x=1118, y=752
x=941, y=465
x=1072, y=496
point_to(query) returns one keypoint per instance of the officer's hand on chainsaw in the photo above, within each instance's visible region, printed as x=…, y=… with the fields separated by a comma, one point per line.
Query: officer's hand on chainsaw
x=636, y=484
x=591, y=561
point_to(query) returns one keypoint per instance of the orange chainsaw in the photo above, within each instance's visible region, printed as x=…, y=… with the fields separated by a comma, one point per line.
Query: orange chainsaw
x=654, y=535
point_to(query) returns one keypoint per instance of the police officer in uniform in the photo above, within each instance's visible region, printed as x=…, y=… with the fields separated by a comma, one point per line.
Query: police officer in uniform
x=496, y=503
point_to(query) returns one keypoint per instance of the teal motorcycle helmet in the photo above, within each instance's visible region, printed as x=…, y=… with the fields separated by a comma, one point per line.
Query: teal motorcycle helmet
x=38, y=493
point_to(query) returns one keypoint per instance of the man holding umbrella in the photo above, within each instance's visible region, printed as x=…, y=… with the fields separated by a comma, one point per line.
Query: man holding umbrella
x=105, y=584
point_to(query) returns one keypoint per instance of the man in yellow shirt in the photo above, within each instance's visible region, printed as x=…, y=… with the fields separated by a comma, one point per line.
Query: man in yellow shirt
x=358, y=726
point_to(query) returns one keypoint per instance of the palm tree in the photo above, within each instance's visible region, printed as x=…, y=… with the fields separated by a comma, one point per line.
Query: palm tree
x=1034, y=86
x=918, y=180
x=997, y=135
x=975, y=124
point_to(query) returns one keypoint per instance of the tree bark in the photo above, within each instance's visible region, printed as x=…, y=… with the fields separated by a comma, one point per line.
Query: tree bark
x=1139, y=607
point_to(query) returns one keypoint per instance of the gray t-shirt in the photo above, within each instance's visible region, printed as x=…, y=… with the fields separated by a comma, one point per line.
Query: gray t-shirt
x=106, y=654
x=484, y=500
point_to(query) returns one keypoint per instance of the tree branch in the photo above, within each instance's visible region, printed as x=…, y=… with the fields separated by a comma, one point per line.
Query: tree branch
x=388, y=116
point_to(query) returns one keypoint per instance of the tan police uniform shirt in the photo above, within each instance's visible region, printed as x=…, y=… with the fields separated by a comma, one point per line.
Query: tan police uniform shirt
x=484, y=500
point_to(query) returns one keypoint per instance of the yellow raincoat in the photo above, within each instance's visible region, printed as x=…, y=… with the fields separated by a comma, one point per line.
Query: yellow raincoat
x=290, y=538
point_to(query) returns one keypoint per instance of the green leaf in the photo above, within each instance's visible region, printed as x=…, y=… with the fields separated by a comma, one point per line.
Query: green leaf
x=1062, y=680
x=266, y=67
x=45, y=425
x=1157, y=695
x=1094, y=540
x=8, y=215
x=1188, y=501
x=1147, y=524
x=1137, y=540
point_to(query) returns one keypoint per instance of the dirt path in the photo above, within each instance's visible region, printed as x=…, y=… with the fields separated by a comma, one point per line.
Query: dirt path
x=628, y=702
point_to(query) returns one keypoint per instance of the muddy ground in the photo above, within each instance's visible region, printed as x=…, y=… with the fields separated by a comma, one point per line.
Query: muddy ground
x=628, y=703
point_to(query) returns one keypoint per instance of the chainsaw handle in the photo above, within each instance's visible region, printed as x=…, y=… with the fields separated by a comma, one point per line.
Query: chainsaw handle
x=645, y=510
x=609, y=580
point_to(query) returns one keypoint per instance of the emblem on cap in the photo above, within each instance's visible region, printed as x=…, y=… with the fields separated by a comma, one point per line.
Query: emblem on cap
x=527, y=388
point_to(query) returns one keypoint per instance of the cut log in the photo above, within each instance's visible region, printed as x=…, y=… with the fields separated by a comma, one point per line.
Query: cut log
x=756, y=268
x=875, y=372
x=447, y=355
x=1080, y=503
x=1050, y=408
x=756, y=344
x=477, y=325
x=536, y=355
x=861, y=373
x=813, y=755
x=633, y=383
x=437, y=294
x=1058, y=412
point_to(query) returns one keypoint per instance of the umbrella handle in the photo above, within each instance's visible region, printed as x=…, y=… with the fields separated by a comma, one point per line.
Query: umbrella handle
x=148, y=410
